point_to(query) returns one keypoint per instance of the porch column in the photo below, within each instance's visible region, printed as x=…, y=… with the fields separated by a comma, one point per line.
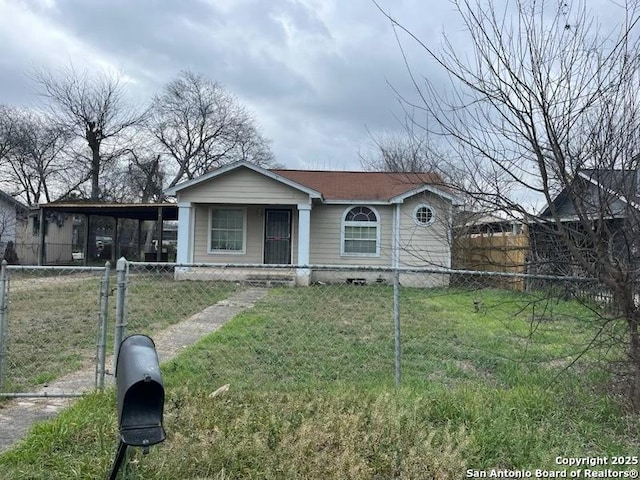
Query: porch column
x=304, y=236
x=395, y=246
x=185, y=233
x=160, y=229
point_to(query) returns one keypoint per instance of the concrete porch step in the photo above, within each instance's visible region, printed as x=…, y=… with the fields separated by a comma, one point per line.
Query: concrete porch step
x=271, y=280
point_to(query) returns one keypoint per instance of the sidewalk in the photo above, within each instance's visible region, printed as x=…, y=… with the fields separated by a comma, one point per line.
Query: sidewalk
x=19, y=415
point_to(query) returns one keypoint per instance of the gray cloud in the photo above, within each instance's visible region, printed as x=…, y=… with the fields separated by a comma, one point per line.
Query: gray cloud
x=314, y=72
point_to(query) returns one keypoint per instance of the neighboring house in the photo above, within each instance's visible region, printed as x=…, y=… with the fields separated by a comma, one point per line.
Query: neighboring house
x=610, y=205
x=21, y=225
x=13, y=215
x=603, y=194
x=56, y=235
x=244, y=214
x=482, y=223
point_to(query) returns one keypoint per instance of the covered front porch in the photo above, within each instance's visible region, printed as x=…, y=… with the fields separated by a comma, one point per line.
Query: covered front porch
x=247, y=234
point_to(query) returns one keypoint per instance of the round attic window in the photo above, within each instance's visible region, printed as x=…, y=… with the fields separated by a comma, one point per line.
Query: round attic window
x=423, y=215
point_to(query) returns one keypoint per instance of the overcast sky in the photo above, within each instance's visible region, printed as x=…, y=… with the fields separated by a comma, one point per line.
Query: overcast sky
x=314, y=73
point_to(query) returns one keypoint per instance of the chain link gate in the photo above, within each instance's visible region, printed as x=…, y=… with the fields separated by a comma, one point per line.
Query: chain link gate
x=53, y=330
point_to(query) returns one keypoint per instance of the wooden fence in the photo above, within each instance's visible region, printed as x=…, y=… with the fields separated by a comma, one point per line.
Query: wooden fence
x=503, y=252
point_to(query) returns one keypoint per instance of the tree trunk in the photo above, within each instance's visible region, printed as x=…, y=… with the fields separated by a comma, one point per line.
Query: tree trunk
x=634, y=355
x=95, y=173
x=93, y=136
x=624, y=296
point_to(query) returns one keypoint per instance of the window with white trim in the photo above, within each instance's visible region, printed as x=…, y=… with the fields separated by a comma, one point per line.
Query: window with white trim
x=228, y=230
x=424, y=215
x=361, y=232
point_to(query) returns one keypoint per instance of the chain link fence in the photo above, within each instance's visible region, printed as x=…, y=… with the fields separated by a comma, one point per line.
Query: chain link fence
x=53, y=329
x=350, y=325
x=374, y=326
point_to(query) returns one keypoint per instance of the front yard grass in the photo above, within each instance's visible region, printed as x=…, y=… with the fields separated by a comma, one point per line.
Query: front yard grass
x=53, y=321
x=312, y=395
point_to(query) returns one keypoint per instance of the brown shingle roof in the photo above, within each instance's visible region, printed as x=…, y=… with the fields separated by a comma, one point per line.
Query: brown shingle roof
x=336, y=185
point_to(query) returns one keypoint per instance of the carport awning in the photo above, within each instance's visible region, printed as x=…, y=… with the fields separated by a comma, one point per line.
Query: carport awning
x=137, y=211
x=159, y=212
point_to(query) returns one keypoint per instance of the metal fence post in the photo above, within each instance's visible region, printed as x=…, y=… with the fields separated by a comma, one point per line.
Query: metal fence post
x=396, y=326
x=101, y=357
x=4, y=310
x=121, y=313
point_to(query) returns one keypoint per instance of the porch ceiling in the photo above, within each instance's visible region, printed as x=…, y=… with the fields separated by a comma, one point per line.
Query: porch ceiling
x=136, y=211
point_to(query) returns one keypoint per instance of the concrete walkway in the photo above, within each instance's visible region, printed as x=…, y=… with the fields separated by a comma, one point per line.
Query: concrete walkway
x=17, y=416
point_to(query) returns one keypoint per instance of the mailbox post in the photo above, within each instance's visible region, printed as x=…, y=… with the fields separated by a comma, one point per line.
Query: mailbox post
x=140, y=397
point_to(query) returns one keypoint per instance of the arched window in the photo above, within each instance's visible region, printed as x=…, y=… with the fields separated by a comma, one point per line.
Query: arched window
x=360, y=232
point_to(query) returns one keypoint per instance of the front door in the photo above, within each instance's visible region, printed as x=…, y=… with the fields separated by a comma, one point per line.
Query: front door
x=277, y=236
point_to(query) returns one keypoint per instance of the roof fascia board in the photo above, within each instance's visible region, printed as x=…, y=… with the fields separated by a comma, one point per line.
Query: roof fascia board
x=426, y=188
x=546, y=211
x=356, y=202
x=576, y=218
x=13, y=201
x=203, y=178
x=287, y=181
x=619, y=196
x=232, y=166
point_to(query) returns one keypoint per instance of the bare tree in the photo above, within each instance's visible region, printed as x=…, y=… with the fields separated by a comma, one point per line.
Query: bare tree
x=7, y=219
x=8, y=138
x=5, y=132
x=253, y=147
x=543, y=100
x=398, y=153
x=200, y=126
x=140, y=173
x=90, y=107
x=147, y=176
x=413, y=150
x=410, y=149
x=35, y=166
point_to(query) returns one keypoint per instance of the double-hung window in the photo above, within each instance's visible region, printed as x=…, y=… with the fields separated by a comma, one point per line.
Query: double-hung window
x=228, y=230
x=361, y=232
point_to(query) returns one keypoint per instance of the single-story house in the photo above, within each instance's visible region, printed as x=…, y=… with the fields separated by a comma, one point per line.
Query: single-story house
x=244, y=214
x=604, y=202
x=51, y=231
x=13, y=215
x=20, y=224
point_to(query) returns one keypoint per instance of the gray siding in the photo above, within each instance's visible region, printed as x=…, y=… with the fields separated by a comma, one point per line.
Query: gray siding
x=427, y=245
x=326, y=224
x=419, y=245
x=58, y=242
x=254, y=247
x=245, y=187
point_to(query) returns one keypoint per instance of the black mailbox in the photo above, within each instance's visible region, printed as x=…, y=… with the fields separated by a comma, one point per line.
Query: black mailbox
x=140, y=392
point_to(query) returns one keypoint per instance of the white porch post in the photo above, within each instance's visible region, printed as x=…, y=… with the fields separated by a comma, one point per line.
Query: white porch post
x=185, y=233
x=395, y=246
x=304, y=239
